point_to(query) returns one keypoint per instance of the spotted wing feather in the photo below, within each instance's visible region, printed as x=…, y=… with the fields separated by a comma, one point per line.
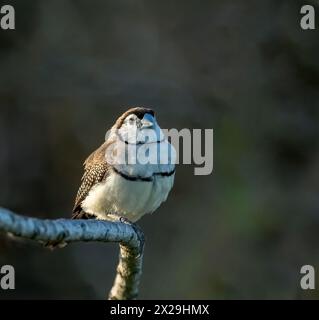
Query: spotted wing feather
x=95, y=171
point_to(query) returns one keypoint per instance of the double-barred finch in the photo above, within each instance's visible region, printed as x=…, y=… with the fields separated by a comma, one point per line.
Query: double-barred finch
x=113, y=187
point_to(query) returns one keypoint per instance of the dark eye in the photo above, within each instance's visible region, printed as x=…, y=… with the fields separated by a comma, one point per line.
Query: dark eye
x=131, y=120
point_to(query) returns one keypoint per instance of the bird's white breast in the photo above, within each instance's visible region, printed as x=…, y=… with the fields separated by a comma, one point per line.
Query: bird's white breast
x=128, y=194
x=130, y=199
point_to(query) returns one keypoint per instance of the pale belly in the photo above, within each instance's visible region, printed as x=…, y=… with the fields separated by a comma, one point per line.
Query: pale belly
x=129, y=199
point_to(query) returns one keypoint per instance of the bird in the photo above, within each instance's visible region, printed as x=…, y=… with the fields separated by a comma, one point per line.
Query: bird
x=116, y=185
x=111, y=187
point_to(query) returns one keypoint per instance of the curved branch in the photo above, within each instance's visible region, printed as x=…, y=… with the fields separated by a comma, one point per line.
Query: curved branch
x=129, y=236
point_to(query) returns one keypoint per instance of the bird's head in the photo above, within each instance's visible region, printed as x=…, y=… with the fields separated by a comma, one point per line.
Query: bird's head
x=138, y=126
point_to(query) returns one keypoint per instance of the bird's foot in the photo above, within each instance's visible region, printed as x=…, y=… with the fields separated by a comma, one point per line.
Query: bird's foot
x=125, y=220
x=136, y=228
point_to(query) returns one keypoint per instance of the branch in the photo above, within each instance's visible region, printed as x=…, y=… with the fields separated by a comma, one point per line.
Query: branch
x=129, y=236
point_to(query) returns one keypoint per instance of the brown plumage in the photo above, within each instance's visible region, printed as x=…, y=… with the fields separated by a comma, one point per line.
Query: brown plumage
x=95, y=170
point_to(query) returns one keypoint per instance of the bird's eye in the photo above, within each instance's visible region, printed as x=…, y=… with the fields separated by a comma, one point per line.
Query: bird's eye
x=131, y=120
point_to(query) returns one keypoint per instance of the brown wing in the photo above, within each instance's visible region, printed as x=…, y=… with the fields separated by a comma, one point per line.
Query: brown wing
x=95, y=170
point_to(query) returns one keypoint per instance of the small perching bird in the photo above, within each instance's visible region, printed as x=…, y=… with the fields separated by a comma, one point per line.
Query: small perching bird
x=131, y=173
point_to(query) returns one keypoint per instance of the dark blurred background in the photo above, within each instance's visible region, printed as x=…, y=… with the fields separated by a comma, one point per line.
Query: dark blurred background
x=243, y=68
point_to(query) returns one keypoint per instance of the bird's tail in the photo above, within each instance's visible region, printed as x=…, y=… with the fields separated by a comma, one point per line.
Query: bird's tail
x=55, y=245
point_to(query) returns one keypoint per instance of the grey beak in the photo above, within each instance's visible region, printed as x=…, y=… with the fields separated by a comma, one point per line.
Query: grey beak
x=146, y=123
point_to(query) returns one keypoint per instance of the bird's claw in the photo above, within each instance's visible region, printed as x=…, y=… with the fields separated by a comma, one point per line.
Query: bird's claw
x=137, y=230
x=125, y=220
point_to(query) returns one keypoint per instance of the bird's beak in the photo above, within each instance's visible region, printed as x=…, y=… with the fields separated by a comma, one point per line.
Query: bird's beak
x=147, y=121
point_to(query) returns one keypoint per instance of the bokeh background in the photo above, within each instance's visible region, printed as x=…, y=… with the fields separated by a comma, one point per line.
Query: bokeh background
x=243, y=68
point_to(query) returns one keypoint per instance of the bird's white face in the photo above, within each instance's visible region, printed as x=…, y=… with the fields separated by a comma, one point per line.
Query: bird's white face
x=139, y=131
